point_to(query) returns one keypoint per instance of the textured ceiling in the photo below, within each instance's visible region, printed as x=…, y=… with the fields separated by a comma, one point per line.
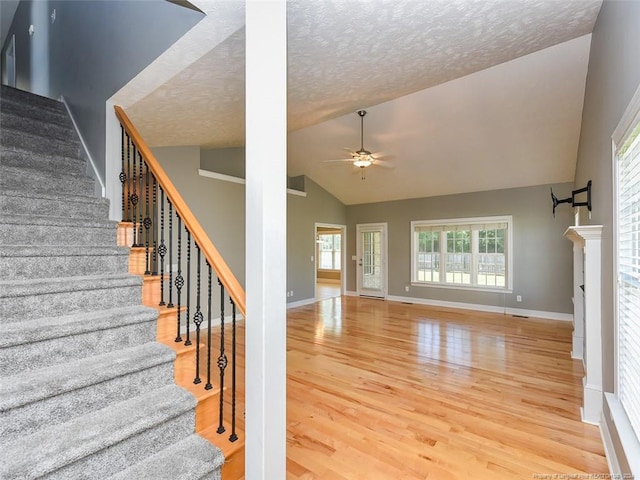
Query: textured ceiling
x=346, y=55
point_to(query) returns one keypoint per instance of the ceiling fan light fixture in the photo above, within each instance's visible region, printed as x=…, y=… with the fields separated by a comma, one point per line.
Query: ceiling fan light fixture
x=362, y=162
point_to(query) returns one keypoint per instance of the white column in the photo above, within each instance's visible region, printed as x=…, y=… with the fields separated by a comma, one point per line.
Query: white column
x=266, y=226
x=577, y=350
x=589, y=238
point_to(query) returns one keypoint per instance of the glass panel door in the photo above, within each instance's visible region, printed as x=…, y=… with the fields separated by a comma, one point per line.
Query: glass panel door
x=372, y=260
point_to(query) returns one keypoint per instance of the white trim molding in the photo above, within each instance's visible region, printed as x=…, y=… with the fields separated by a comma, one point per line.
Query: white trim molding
x=302, y=303
x=240, y=180
x=628, y=439
x=94, y=168
x=564, y=317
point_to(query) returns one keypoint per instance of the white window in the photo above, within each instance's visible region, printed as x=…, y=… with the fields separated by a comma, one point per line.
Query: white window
x=462, y=253
x=626, y=141
x=329, y=251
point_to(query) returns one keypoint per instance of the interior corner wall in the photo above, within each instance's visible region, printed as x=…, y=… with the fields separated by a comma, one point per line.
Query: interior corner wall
x=612, y=79
x=219, y=206
x=93, y=48
x=319, y=206
x=542, y=257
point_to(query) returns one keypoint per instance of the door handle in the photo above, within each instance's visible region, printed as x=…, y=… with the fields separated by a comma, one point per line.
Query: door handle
x=360, y=263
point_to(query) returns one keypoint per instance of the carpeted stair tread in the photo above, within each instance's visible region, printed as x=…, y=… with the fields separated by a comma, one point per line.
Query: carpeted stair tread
x=37, y=298
x=23, y=157
x=29, y=387
x=61, y=250
x=48, y=328
x=27, y=345
x=35, y=180
x=55, y=221
x=38, y=126
x=104, y=383
x=51, y=204
x=26, y=99
x=53, y=450
x=20, y=262
x=11, y=139
x=41, y=230
x=193, y=458
x=39, y=286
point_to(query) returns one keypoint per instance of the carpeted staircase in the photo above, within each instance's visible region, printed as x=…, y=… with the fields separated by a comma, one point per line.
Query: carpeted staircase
x=85, y=391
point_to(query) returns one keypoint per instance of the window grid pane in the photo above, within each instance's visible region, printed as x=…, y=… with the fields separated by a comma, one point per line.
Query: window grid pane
x=472, y=252
x=329, y=251
x=458, y=260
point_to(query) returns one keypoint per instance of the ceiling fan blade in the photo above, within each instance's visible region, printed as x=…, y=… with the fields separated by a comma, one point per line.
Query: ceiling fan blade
x=338, y=160
x=382, y=163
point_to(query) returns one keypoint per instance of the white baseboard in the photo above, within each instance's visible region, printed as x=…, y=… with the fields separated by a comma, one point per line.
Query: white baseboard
x=92, y=163
x=349, y=293
x=301, y=303
x=565, y=317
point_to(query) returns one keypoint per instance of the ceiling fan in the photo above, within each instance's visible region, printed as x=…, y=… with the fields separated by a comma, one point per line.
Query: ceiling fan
x=363, y=158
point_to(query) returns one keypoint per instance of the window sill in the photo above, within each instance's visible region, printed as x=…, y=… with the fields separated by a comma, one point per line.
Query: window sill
x=455, y=286
x=628, y=439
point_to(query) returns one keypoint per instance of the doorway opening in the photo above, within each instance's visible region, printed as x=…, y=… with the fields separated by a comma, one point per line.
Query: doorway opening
x=330, y=276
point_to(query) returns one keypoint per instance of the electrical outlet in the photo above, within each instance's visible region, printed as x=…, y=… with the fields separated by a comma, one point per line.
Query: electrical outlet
x=518, y=298
x=406, y=288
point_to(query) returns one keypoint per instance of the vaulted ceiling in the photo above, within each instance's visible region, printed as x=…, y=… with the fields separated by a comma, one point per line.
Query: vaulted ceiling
x=462, y=95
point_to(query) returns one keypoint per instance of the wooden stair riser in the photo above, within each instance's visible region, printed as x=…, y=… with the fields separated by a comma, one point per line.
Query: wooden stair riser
x=167, y=323
x=138, y=260
x=151, y=290
x=124, y=236
x=233, y=468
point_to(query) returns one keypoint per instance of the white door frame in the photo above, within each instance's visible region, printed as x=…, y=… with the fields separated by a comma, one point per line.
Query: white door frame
x=9, y=74
x=385, y=276
x=343, y=256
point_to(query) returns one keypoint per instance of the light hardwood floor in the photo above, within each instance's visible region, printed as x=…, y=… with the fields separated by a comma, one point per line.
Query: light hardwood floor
x=386, y=390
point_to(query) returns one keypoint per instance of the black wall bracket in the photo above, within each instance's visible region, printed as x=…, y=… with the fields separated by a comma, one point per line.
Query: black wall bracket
x=572, y=199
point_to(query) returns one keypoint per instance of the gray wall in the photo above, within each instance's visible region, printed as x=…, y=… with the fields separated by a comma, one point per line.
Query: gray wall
x=613, y=76
x=91, y=51
x=219, y=207
x=542, y=258
x=228, y=161
x=319, y=206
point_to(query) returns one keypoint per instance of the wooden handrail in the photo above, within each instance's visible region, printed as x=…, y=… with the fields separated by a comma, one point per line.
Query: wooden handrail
x=224, y=273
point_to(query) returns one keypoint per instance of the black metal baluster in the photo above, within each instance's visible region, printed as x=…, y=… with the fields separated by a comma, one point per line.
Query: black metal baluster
x=208, y=386
x=154, y=209
x=197, y=319
x=188, y=341
x=170, y=304
x=162, y=249
x=233, y=437
x=123, y=175
x=139, y=179
x=222, y=360
x=179, y=279
x=128, y=178
x=134, y=198
x=147, y=218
